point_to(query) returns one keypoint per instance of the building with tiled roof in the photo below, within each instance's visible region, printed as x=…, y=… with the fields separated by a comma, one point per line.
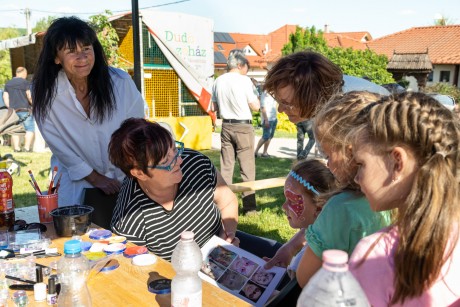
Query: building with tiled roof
x=441, y=42
x=355, y=40
x=262, y=50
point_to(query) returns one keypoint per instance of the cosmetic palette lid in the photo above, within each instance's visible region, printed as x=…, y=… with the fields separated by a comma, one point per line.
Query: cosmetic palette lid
x=133, y=251
x=115, y=248
x=100, y=234
x=117, y=239
x=94, y=256
x=143, y=260
x=110, y=266
x=160, y=286
x=85, y=245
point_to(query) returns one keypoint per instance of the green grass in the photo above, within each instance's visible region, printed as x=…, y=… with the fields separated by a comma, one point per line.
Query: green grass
x=39, y=164
x=270, y=221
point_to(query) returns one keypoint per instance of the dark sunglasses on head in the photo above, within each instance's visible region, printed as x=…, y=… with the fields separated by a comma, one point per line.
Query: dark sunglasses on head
x=22, y=225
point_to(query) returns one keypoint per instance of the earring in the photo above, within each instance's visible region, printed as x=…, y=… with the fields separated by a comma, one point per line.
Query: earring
x=395, y=179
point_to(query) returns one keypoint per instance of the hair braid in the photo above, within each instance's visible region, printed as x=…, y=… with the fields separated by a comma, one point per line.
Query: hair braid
x=431, y=132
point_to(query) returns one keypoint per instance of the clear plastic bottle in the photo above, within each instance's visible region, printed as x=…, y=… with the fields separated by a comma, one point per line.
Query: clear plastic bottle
x=333, y=284
x=73, y=269
x=186, y=261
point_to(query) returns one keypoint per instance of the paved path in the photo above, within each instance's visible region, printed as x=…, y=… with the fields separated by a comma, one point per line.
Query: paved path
x=279, y=147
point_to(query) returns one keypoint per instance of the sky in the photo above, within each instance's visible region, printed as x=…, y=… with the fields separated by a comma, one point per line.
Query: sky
x=379, y=18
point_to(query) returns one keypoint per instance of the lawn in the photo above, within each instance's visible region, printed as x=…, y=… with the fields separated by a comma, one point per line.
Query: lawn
x=269, y=222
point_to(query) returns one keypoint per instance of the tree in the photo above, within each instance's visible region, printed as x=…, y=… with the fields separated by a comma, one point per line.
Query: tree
x=107, y=35
x=357, y=63
x=441, y=20
x=43, y=24
x=5, y=61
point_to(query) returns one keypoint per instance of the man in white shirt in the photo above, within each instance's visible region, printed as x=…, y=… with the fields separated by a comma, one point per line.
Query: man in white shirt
x=234, y=96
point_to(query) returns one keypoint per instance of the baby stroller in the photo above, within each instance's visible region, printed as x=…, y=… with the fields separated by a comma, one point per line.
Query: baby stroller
x=11, y=124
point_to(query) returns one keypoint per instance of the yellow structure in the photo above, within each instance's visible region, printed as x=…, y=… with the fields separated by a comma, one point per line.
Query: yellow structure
x=167, y=98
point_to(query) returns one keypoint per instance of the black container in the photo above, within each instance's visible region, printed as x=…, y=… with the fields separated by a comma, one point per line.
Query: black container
x=72, y=220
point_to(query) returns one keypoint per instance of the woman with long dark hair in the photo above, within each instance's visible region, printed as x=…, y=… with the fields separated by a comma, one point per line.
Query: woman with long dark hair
x=78, y=102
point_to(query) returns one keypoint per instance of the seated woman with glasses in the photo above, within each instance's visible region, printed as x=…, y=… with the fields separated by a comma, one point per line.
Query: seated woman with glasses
x=168, y=189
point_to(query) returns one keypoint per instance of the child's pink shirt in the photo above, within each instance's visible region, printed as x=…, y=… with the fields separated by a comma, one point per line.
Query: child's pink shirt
x=376, y=273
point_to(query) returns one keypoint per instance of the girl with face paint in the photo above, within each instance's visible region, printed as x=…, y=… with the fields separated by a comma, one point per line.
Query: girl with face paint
x=307, y=181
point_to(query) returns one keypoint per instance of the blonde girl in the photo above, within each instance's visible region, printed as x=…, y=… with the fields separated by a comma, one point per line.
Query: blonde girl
x=407, y=151
x=346, y=217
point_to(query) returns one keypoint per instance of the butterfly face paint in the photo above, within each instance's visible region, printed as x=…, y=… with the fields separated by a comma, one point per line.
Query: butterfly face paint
x=295, y=202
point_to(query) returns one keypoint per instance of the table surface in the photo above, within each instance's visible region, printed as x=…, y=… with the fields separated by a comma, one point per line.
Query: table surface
x=127, y=285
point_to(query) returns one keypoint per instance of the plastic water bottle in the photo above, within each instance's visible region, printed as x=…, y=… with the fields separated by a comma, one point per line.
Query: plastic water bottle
x=73, y=270
x=186, y=261
x=333, y=284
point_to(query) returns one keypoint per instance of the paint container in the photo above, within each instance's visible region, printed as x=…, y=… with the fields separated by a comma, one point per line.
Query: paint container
x=160, y=286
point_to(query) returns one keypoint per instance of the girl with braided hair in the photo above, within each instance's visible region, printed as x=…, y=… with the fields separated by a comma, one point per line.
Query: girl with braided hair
x=407, y=151
x=346, y=216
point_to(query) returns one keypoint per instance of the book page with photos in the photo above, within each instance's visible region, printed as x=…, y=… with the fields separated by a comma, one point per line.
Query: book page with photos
x=238, y=271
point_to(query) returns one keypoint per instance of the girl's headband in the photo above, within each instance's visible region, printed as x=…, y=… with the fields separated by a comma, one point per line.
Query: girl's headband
x=303, y=182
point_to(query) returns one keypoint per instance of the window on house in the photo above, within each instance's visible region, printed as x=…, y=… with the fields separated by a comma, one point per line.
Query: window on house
x=219, y=46
x=445, y=76
x=430, y=77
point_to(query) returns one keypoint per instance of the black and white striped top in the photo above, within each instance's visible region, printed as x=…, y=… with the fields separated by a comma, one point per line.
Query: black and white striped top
x=145, y=222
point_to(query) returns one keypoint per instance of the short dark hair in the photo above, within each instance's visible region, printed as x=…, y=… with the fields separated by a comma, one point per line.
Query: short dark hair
x=139, y=143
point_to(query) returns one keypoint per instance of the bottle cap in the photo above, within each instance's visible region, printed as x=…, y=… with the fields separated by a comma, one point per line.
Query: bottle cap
x=72, y=247
x=334, y=256
x=51, y=285
x=143, y=260
x=335, y=260
x=187, y=235
x=39, y=274
x=100, y=234
x=160, y=286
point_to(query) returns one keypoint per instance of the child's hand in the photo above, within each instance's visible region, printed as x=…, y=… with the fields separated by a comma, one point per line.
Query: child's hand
x=282, y=257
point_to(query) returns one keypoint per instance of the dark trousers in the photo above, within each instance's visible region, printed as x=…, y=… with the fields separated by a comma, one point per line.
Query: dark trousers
x=303, y=128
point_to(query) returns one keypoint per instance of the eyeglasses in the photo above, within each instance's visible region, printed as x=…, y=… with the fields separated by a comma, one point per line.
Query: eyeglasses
x=290, y=107
x=179, y=150
x=22, y=225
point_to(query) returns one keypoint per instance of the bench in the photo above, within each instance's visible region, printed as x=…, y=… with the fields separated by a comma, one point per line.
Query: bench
x=257, y=185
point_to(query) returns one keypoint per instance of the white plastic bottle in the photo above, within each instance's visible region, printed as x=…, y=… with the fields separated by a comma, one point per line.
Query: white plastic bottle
x=73, y=269
x=333, y=284
x=186, y=261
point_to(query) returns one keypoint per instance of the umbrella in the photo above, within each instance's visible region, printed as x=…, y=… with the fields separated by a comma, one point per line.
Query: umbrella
x=352, y=83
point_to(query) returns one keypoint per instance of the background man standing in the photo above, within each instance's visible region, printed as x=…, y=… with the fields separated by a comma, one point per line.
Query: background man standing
x=17, y=96
x=302, y=128
x=234, y=96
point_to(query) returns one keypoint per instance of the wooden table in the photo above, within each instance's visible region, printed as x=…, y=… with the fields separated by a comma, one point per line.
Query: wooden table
x=127, y=285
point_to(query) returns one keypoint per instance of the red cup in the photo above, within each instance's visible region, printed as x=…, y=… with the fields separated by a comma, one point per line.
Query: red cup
x=46, y=204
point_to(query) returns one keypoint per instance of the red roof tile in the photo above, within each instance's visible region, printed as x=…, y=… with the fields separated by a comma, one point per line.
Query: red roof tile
x=442, y=43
